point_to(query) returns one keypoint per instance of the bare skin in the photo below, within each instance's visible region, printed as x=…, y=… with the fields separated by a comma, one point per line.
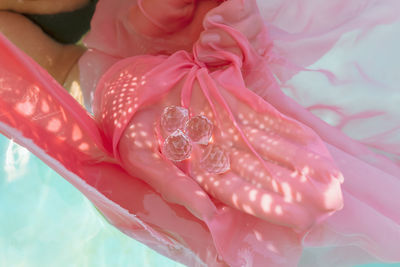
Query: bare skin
x=61, y=61
x=56, y=58
x=41, y=6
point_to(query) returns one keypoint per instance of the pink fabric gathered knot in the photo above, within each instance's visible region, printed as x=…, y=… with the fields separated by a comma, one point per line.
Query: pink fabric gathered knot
x=234, y=68
x=280, y=172
x=281, y=201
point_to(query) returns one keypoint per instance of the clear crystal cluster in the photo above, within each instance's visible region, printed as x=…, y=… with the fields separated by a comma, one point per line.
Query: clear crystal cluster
x=215, y=159
x=199, y=129
x=174, y=118
x=183, y=132
x=177, y=146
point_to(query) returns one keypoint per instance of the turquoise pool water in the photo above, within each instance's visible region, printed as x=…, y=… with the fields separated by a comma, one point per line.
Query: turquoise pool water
x=46, y=222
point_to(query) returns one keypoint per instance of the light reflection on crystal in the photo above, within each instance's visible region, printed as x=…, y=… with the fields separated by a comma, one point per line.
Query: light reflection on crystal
x=174, y=118
x=177, y=146
x=199, y=129
x=215, y=159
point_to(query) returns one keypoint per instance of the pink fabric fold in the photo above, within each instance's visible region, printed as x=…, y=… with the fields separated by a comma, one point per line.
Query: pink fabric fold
x=244, y=52
x=297, y=34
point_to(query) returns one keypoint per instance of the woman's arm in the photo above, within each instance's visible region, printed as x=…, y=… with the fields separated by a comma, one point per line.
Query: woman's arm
x=56, y=58
x=41, y=6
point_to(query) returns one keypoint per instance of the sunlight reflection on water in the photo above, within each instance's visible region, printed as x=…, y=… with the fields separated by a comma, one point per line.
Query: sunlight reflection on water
x=45, y=221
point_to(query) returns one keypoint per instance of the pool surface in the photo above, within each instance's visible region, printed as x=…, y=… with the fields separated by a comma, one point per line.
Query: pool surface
x=46, y=222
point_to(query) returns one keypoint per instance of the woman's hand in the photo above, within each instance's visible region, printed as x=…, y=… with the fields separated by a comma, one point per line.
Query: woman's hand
x=279, y=170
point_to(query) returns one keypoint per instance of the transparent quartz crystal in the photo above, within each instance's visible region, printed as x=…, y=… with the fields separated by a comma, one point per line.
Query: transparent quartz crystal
x=215, y=159
x=199, y=129
x=177, y=146
x=174, y=118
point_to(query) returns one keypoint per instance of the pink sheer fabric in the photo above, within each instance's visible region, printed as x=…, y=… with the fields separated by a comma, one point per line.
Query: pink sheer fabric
x=297, y=33
x=40, y=115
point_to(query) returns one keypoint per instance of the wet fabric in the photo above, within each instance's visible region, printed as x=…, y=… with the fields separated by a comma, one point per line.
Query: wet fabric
x=203, y=230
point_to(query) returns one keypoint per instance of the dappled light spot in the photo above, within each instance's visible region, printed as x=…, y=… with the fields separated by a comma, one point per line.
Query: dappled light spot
x=54, y=125
x=251, y=167
x=155, y=155
x=253, y=195
x=248, y=209
x=304, y=174
x=294, y=174
x=149, y=144
x=278, y=210
x=26, y=108
x=298, y=197
x=83, y=146
x=266, y=202
x=272, y=248
x=138, y=144
x=44, y=106
x=199, y=178
x=76, y=133
x=201, y=193
x=235, y=200
x=258, y=235
x=275, y=185
x=287, y=192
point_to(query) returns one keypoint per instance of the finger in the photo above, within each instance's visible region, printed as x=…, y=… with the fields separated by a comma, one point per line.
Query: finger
x=252, y=112
x=233, y=191
x=140, y=156
x=291, y=185
x=292, y=156
x=264, y=175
